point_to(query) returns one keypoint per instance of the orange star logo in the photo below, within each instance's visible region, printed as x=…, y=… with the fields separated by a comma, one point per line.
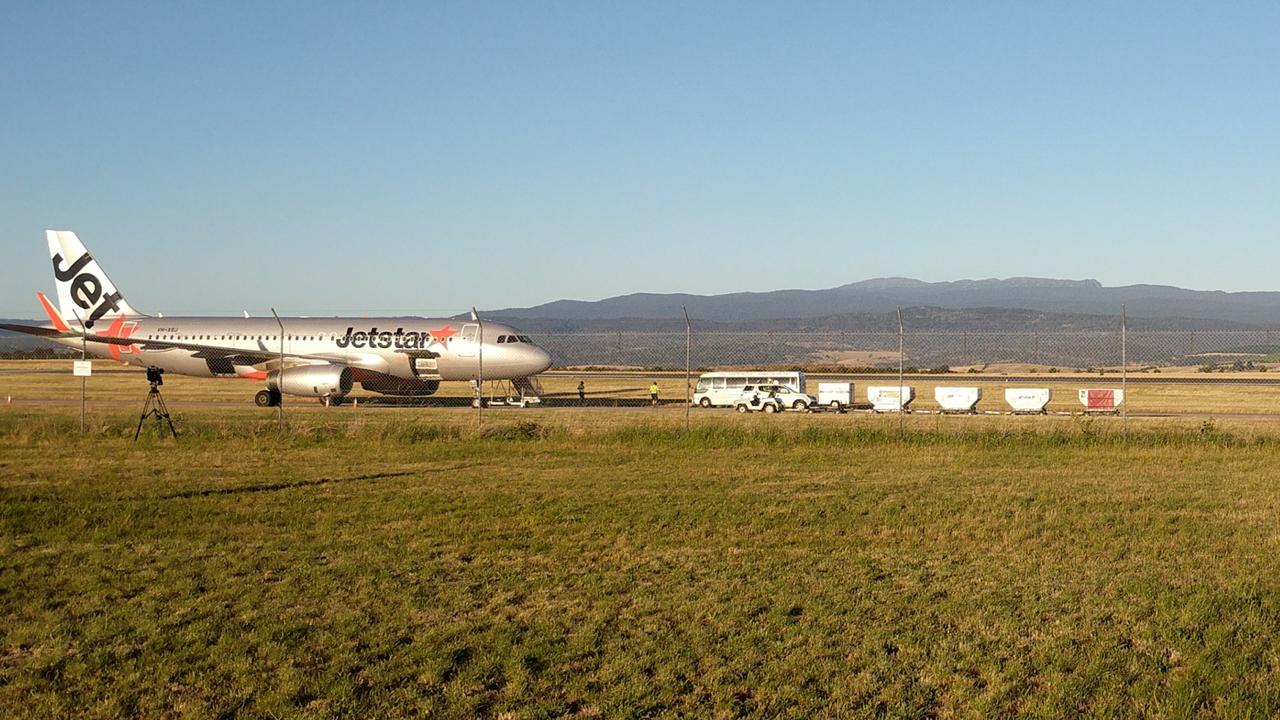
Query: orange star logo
x=441, y=334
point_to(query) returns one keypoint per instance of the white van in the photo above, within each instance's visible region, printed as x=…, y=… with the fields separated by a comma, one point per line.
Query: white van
x=723, y=388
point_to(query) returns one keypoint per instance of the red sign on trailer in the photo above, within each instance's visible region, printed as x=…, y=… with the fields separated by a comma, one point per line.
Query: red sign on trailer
x=1101, y=399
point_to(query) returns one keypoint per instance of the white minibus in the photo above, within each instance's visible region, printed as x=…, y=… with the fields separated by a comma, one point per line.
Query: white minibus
x=722, y=388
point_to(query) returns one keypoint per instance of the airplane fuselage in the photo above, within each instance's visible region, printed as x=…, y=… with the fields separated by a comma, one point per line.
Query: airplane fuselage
x=413, y=350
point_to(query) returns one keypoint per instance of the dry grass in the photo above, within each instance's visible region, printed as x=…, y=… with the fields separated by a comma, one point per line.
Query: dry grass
x=601, y=564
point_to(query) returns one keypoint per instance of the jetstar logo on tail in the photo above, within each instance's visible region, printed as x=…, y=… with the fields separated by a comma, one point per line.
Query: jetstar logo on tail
x=86, y=288
x=119, y=330
x=400, y=340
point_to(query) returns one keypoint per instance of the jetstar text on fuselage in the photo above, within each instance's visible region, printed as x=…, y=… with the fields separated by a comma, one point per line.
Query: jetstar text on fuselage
x=373, y=338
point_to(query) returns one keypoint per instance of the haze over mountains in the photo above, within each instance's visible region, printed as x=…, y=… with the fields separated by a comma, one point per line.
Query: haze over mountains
x=991, y=304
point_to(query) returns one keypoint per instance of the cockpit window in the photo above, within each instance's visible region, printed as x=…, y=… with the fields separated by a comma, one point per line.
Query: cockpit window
x=502, y=338
x=525, y=339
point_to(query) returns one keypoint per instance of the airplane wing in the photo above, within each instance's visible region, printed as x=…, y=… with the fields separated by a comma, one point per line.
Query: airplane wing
x=238, y=356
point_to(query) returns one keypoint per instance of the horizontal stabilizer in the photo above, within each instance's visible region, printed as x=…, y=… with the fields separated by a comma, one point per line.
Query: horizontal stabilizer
x=38, y=331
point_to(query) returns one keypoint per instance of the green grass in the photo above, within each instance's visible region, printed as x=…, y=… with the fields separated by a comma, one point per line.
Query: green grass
x=392, y=565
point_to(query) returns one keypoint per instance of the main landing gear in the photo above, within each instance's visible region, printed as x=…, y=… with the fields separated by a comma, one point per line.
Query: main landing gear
x=267, y=398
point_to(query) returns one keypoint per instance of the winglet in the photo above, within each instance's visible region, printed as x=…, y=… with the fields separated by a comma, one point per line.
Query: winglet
x=49, y=310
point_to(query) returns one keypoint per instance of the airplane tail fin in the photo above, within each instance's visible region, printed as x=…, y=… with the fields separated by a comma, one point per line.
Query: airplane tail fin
x=85, y=293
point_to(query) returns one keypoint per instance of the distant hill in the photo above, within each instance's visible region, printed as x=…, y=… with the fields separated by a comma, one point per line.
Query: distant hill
x=1052, y=300
x=916, y=319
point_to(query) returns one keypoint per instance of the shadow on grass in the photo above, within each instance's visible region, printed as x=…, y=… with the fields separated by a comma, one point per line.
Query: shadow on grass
x=291, y=484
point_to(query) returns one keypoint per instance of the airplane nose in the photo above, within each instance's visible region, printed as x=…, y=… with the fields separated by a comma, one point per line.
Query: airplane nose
x=536, y=360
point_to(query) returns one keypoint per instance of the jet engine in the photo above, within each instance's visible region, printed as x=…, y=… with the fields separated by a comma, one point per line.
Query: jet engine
x=312, y=380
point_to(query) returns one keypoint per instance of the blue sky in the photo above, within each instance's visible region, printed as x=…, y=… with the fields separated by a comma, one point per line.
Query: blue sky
x=422, y=158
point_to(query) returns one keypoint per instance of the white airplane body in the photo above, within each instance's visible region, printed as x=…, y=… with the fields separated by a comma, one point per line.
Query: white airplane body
x=313, y=357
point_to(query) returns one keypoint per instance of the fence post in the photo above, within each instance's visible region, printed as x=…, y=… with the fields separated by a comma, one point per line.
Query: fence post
x=479, y=367
x=901, y=392
x=1124, y=368
x=688, y=351
x=84, y=355
x=280, y=384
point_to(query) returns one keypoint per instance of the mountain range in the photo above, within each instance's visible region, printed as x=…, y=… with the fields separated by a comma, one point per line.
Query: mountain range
x=994, y=304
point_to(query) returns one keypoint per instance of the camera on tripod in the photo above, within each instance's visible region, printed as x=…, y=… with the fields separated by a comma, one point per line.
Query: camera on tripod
x=154, y=405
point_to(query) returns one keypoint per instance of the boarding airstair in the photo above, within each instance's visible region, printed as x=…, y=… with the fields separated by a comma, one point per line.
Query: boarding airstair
x=529, y=388
x=519, y=392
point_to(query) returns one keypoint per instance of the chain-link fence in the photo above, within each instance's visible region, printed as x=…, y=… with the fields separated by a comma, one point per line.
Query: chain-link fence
x=1165, y=372
x=1204, y=371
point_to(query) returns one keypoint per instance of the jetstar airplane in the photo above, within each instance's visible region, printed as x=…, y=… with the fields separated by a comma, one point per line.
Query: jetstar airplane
x=320, y=357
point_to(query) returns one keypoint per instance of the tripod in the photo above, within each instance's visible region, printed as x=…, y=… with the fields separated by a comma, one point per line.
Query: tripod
x=154, y=405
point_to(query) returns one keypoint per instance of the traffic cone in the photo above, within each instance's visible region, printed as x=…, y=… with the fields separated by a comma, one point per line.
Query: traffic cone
x=8, y=399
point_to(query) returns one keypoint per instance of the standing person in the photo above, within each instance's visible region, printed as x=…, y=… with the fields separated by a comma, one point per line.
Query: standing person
x=653, y=393
x=582, y=392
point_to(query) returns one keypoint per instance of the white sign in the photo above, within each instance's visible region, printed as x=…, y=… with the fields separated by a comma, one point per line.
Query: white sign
x=82, y=368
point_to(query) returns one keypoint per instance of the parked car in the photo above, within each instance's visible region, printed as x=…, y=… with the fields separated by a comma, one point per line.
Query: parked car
x=771, y=399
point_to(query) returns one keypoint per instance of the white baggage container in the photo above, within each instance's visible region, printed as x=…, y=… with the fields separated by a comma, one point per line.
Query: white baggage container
x=890, y=398
x=1027, y=400
x=958, y=399
x=835, y=395
x=1101, y=399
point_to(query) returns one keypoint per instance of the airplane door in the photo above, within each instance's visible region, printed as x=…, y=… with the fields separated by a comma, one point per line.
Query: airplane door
x=467, y=346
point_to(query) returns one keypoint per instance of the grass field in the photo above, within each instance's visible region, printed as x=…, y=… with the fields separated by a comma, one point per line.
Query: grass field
x=411, y=562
